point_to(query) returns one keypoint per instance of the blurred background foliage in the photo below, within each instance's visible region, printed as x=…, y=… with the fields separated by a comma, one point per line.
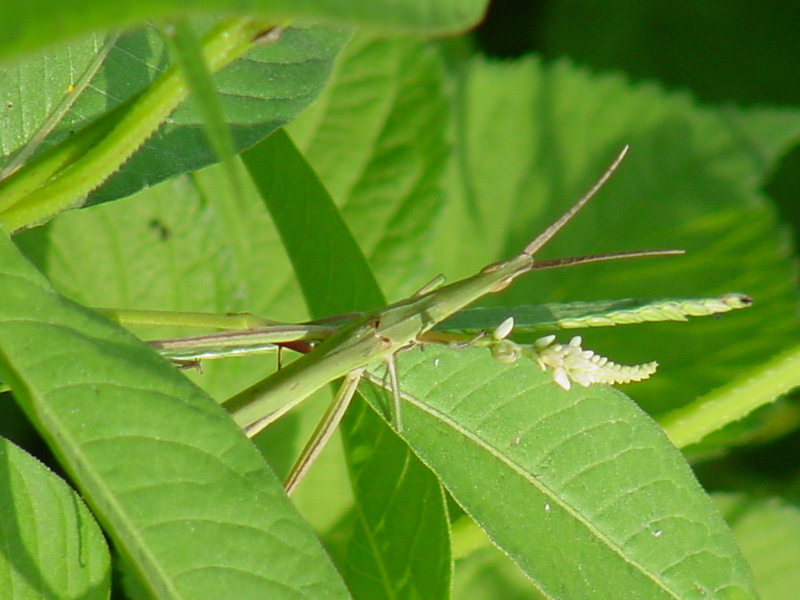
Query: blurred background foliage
x=725, y=53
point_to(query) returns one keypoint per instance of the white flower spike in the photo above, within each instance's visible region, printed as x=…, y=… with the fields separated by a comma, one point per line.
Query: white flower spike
x=570, y=362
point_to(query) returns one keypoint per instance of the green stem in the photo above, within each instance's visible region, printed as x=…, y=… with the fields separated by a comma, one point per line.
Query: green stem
x=734, y=401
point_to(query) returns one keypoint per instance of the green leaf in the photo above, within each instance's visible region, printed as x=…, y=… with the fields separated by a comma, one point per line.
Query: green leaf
x=377, y=137
x=51, y=545
x=263, y=91
x=584, y=474
x=30, y=26
x=184, y=495
x=399, y=545
x=317, y=251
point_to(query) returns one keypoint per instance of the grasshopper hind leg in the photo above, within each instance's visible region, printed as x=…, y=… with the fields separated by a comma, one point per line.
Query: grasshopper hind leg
x=324, y=431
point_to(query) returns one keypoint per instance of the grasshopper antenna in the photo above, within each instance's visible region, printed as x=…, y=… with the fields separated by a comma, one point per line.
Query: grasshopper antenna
x=552, y=263
x=548, y=233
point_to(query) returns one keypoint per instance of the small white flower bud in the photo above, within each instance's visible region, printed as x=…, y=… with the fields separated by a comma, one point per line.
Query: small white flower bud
x=504, y=329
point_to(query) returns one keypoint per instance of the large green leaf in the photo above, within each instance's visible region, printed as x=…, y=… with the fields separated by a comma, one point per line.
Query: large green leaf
x=378, y=139
x=185, y=496
x=31, y=25
x=322, y=250
x=50, y=545
x=580, y=488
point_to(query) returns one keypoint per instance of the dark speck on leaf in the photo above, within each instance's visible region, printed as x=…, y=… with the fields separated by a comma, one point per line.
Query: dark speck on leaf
x=161, y=230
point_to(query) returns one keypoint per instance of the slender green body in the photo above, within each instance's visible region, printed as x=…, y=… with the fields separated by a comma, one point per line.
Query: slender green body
x=373, y=337
x=352, y=342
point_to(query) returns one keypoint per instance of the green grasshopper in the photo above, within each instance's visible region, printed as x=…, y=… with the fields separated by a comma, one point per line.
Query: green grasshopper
x=247, y=334
x=379, y=335
x=345, y=345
